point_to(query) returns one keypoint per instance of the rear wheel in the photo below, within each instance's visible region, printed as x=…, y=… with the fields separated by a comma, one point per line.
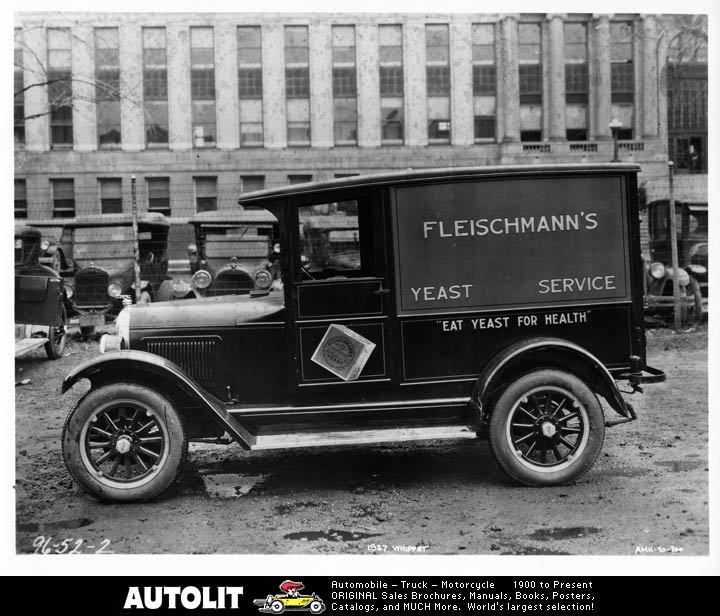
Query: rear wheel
x=547, y=428
x=124, y=442
x=57, y=336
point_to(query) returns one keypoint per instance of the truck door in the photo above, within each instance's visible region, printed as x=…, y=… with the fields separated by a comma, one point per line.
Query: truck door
x=340, y=299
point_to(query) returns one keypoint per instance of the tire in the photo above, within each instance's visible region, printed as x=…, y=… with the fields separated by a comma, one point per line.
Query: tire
x=277, y=607
x=316, y=607
x=692, y=314
x=527, y=438
x=87, y=331
x=57, y=337
x=127, y=468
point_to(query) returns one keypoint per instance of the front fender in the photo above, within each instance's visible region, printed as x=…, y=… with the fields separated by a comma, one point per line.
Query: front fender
x=140, y=366
x=541, y=352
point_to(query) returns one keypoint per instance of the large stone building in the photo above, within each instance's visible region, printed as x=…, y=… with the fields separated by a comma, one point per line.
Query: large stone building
x=201, y=107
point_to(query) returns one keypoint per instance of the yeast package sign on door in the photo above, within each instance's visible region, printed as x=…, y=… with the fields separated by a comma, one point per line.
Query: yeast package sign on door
x=520, y=242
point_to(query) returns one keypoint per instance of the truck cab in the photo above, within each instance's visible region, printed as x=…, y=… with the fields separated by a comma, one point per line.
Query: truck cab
x=436, y=304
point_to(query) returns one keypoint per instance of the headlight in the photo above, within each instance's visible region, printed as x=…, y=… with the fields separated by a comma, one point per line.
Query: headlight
x=114, y=289
x=122, y=326
x=181, y=288
x=263, y=279
x=202, y=279
x=192, y=248
x=69, y=290
x=109, y=343
x=44, y=245
x=657, y=270
x=697, y=269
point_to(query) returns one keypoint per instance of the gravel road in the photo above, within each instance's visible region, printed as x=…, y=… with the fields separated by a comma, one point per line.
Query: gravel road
x=648, y=489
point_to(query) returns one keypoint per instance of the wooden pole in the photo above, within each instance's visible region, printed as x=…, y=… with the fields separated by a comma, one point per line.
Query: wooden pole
x=674, y=249
x=136, y=241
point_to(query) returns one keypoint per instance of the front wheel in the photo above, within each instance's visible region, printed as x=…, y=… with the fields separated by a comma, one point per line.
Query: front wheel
x=57, y=337
x=547, y=428
x=277, y=607
x=124, y=442
x=316, y=607
x=692, y=313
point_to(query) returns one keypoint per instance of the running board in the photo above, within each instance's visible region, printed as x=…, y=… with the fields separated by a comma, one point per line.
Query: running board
x=236, y=431
x=297, y=440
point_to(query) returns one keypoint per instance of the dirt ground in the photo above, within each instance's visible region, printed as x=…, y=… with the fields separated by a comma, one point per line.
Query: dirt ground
x=647, y=493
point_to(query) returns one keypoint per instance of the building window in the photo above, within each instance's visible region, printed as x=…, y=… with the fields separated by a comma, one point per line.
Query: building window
x=687, y=96
x=622, y=76
x=205, y=194
x=437, y=70
x=576, y=82
x=297, y=85
x=392, y=85
x=158, y=195
x=299, y=179
x=202, y=86
x=111, y=196
x=531, y=81
x=155, y=86
x=63, y=194
x=344, y=78
x=107, y=86
x=484, y=81
x=19, y=91
x=60, y=91
x=250, y=85
x=251, y=183
x=20, y=199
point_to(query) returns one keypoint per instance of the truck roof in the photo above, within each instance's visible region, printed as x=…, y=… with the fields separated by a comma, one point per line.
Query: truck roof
x=233, y=217
x=114, y=220
x=412, y=175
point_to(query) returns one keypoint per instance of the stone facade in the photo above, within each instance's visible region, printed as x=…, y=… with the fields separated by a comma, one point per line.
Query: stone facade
x=37, y=162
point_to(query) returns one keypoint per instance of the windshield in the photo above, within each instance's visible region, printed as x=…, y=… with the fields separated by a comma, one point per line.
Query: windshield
x=103, y=243
x=691, y=223
x=239, y=241
x=27, y=250
x=116, y=243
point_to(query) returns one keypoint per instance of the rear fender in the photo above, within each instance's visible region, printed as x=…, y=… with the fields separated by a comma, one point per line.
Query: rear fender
x=158, y=373
x=536, y=353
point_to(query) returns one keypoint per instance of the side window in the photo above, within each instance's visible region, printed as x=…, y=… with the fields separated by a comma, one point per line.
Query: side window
x=330, y=240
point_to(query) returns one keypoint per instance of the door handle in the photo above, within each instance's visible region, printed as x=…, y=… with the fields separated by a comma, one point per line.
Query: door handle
x=381, y=291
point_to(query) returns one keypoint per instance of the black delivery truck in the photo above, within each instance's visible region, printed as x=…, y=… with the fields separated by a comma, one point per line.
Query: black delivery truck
x=499, y=302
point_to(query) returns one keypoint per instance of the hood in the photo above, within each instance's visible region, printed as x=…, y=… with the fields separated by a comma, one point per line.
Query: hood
x=220, y=311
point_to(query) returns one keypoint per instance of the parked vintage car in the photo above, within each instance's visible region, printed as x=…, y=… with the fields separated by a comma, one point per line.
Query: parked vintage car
x=490, y=301
x=40, y=315
x=230, y=254
x=104, y=271
x=692, y=241
x=56, y=244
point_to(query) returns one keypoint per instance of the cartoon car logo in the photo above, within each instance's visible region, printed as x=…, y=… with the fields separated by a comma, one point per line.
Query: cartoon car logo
x=290, y=599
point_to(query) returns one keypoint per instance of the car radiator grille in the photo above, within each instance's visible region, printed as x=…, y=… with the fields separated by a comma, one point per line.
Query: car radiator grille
x=194, y=354
x=91, y=288
x=231, y=282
